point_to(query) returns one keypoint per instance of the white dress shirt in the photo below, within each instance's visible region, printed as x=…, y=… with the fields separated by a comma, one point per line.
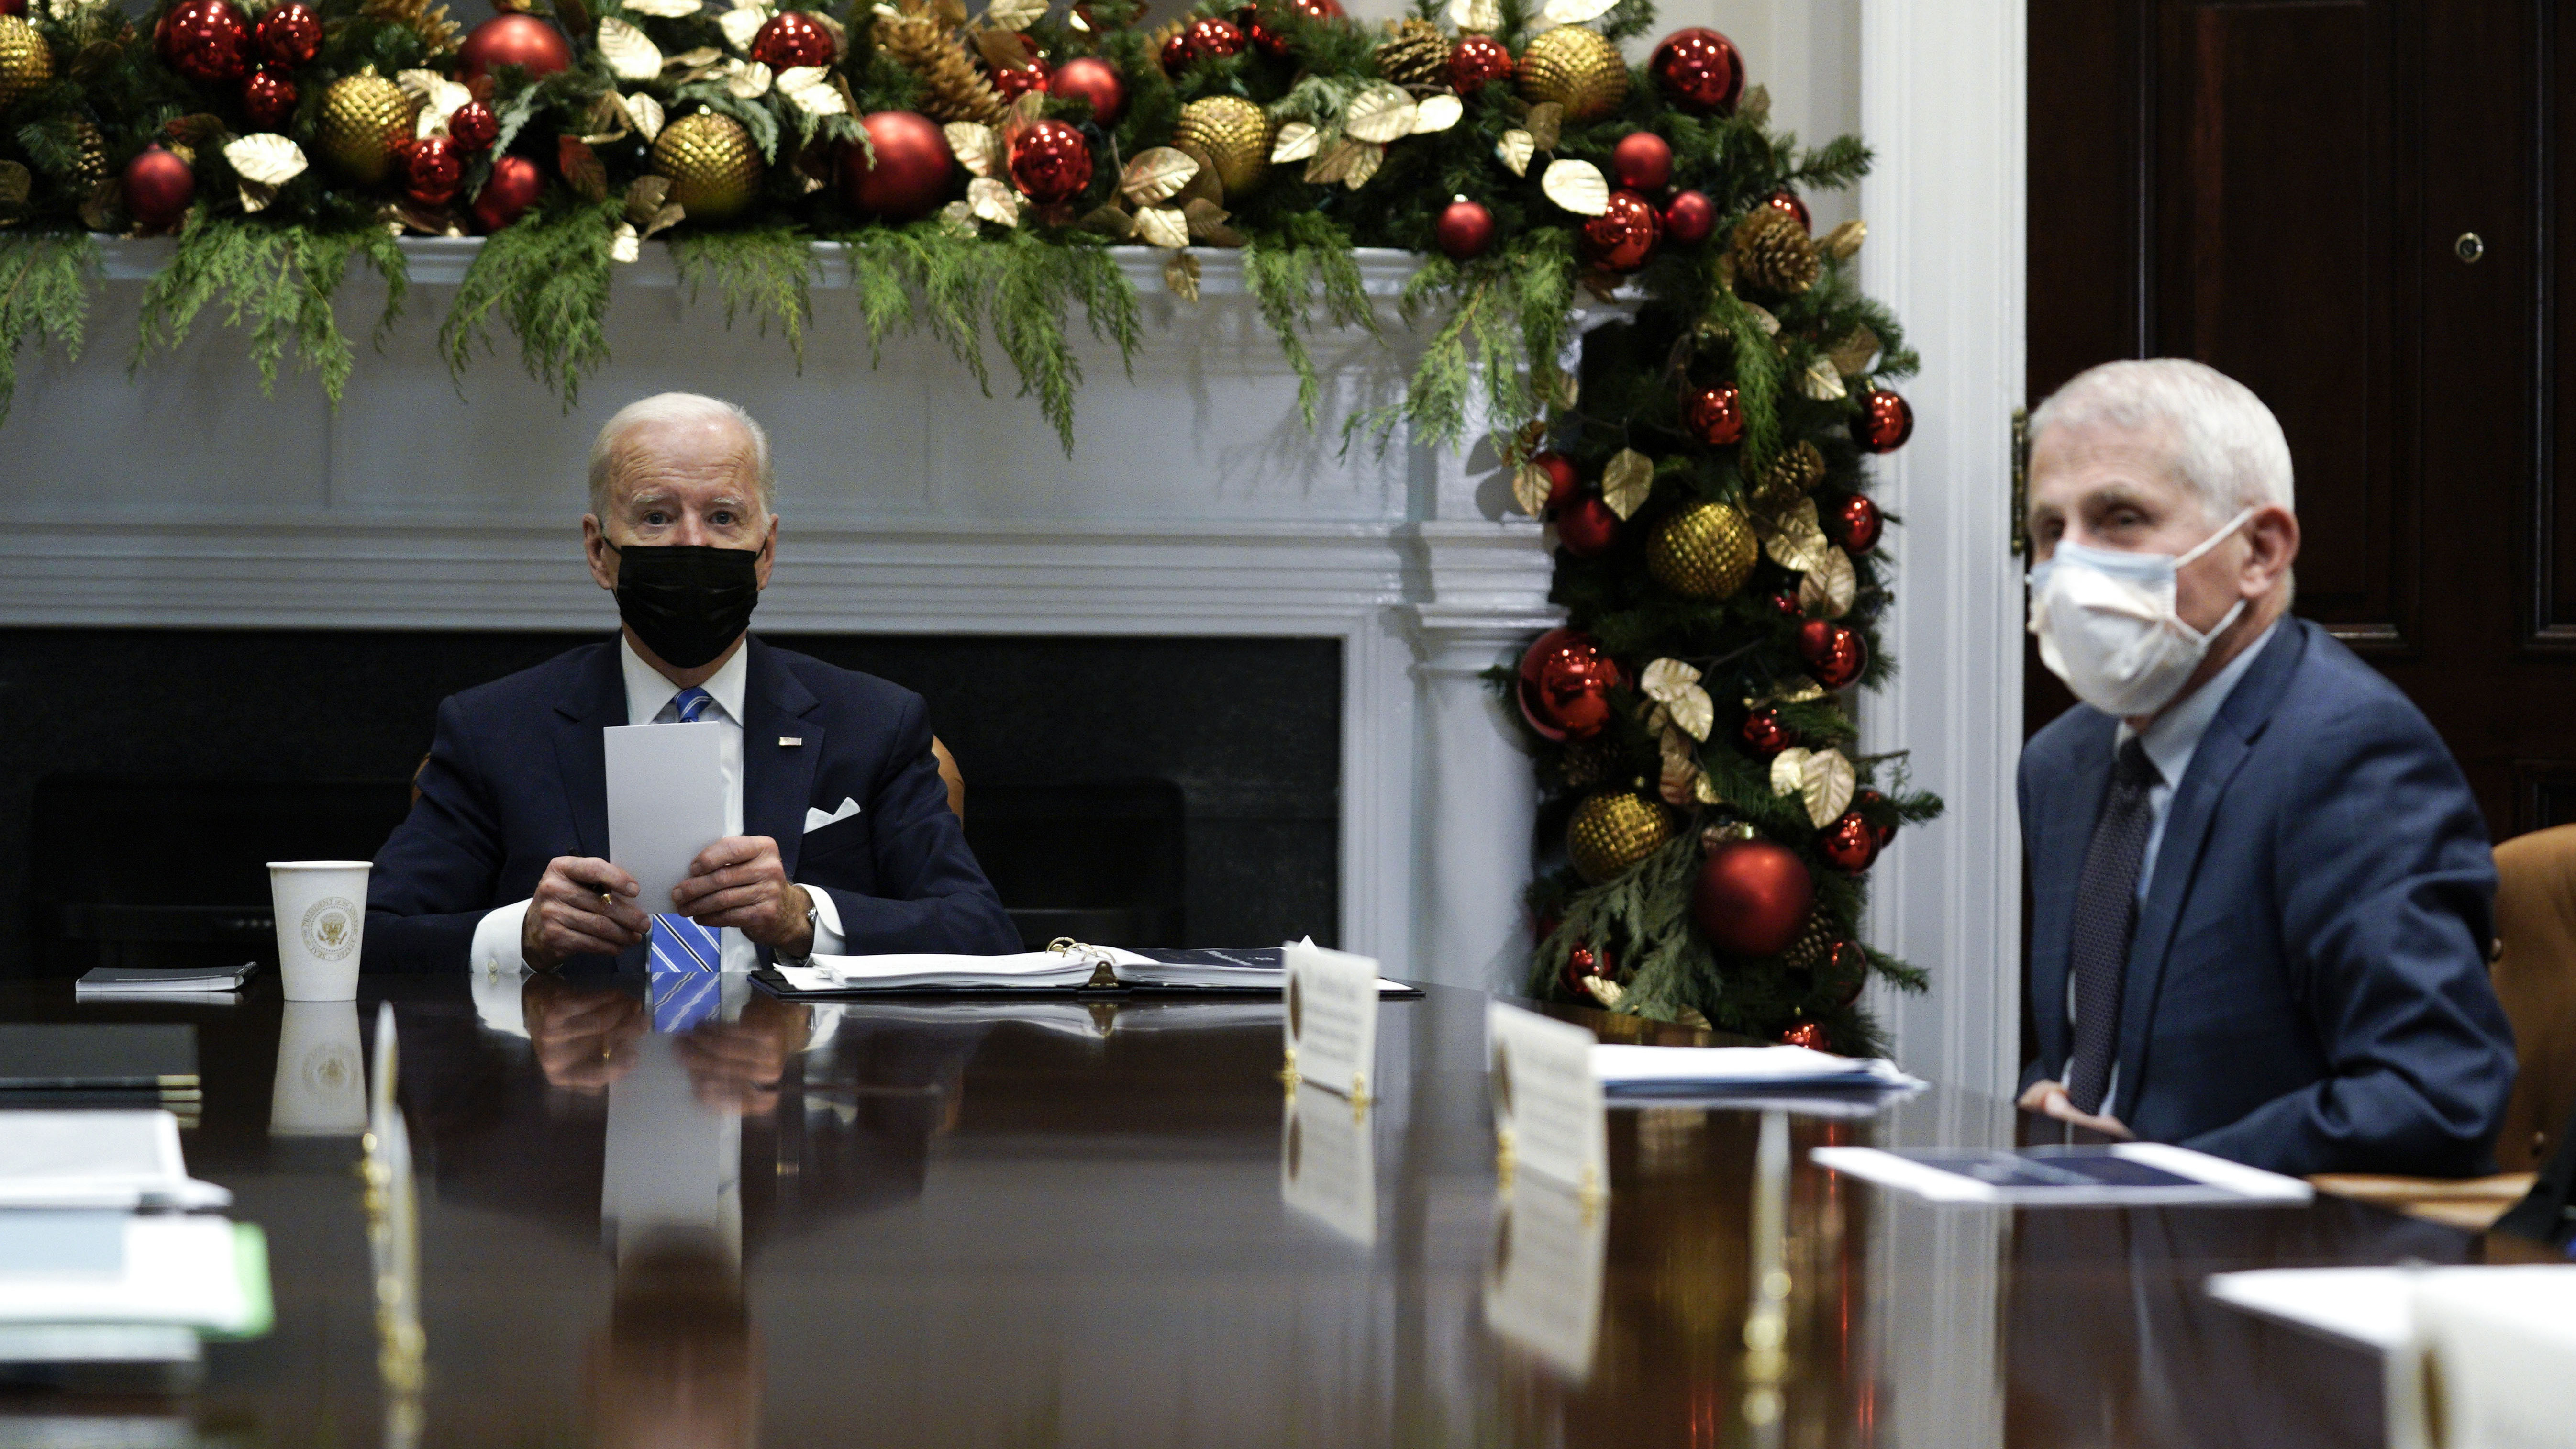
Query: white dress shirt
x=2170, y=740
x=653, y=699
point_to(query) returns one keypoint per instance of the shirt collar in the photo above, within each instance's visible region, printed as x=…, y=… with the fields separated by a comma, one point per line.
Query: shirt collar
x=647, y=691
x=2174, y=736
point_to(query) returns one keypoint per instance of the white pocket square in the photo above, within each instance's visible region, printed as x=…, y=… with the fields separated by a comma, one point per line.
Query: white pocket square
x=816, y=819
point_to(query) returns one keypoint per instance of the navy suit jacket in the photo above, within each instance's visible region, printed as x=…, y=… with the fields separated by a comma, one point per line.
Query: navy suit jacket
x=517, y=776
x=2307, y=989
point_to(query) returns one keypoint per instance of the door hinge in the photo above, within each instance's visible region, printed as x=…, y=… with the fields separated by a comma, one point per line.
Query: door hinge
x=2021, y=482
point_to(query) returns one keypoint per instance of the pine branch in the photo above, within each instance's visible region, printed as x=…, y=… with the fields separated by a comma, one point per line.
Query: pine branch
x=44, y=291
x=546, y=274
x=765, y=271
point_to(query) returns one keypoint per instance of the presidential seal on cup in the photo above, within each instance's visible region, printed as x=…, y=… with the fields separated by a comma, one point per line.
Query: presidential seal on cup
x=321, y=917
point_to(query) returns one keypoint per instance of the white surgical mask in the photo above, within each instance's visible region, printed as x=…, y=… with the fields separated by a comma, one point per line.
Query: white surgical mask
x=2106, y=624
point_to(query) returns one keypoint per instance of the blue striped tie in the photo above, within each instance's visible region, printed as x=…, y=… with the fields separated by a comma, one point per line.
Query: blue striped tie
x=683, y=988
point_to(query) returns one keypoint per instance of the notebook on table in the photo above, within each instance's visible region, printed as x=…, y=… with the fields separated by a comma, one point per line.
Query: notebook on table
x=1085, y=970
x=93, y=1056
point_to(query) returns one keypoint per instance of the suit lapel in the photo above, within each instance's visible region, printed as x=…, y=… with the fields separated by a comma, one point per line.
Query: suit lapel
x=777, y=778
x=2063, y=825
x=2223, y=749
x=596, y=700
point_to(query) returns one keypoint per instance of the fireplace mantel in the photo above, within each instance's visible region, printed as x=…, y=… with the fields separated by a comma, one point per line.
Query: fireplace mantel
x=1195, y=502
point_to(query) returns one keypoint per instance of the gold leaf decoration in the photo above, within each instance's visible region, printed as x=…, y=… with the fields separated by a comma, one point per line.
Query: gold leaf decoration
x=1163, y=226
x=1484, y=15
x=994, y=201
x=1853, y=355
x=977, y=147
x=1827, y=589
x=1437, y=113
x=1014, y=14
x=1826, y=783
x=809, y=88
x=1574, y=12
x=1530, y=486
x=1110, y=220
x=1514, y=150
x=1208, y=223
x=1545, y=120
x=1676, y=686
x=1626, y=482
x=630, y=53
x=624, y=245
x=1822, y=380
x=1364, y=165
x=645, y=195
x=1794, y=539
x=1297, y=141
x=1003, y=49
x=1577, y=186
x=748, y=81
x=742, y=24
x=1843, y=242
x=1381, y=113
x=1181, y=276
x=663, y=9
x=268, y=159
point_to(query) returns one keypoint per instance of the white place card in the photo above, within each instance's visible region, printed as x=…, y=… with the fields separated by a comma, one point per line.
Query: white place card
x=1543, y=1285
x=1548, y=1113
x=1327, y=1163
x=666, y=802
x=1331, y=1027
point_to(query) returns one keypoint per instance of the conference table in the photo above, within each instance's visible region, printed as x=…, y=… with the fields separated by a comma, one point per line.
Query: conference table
x=943, y=1223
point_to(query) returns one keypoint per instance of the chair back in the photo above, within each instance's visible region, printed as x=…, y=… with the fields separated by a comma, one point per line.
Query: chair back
x=2534, y=970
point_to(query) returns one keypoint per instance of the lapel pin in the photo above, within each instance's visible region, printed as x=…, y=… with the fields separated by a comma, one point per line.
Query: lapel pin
x=790, y=741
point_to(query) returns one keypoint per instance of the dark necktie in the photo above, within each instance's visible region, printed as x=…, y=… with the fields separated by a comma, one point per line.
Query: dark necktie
x=2106, y=916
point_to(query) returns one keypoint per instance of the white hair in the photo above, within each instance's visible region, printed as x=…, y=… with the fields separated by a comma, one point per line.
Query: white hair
x=2226, y=443
x=674, y=407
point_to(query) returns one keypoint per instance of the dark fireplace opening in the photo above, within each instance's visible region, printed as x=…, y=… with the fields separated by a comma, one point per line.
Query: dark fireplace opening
x=1161, y=791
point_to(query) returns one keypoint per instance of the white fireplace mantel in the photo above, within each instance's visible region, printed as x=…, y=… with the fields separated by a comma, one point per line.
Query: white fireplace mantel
x=1194, y=502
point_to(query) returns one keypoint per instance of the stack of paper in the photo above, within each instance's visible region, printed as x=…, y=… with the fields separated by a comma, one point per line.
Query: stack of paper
x=205, y=985
x=1668, y=1072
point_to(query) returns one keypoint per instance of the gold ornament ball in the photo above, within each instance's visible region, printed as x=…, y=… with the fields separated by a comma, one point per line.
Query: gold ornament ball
x=1703, y=552
x=1231, y=133
x=714, y=168
x=26, y=62
x=1613, y=830
x=364, y=118
x=1577, y=69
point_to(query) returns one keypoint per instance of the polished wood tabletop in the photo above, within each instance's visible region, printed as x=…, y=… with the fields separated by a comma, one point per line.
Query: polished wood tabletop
x=940, y=1224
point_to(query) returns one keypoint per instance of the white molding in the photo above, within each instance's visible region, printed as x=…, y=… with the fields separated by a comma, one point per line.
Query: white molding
x=1942, y=100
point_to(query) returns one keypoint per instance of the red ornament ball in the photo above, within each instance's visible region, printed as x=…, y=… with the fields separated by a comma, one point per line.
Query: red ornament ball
x=1787, y=603
x=268, y=99
x=1049, y=161
x=1266, y=39
x=432, y=170
x=910, y=175
x=1015, y=81
x=1870, y=802
x=1621, y=238
x=1716, y=414
x=1477, y=62
x=1565, y=684
x=1861, y=521
x=515, y=186
x=473, y=126
x=1213, y=39
x=793, y=38
x=1318, y=11
x=1808, y=1034
x=1176, y=54
x=158, y=187
x=521, y=40
x=290, y=35
x=1091, y=79
x=1850, y=844
x=1885, y=422
x=1690, y=217
x=208, y=41
x=1464, y=230
x=13, y=7
x=1642, y=161
x=1699, y=71
x=1752, y=897
x=1765, y=733
x=1582, y=961
x=1834, y=655
x=1562, y=480
x=1787, y=204
x=1587, y=527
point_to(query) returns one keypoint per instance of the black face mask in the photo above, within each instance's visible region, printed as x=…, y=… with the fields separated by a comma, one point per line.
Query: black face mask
x=686, y=601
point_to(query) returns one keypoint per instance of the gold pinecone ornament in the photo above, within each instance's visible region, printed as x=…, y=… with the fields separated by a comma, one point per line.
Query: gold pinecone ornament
x=953, y=87
x=1416, y=54
x=91, y=168
x=1577, y=69
x=1232, y=135
x=364, y=118
x=1613, y=830
x=714, y=168
x=1792, y=473
x=1813, y=946
x=1772, y=251
x=1703, y=552
x=26, y=62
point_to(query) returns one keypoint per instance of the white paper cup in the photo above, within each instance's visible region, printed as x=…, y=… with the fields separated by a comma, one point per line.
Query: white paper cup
x=321, y=913
x=321, y=1077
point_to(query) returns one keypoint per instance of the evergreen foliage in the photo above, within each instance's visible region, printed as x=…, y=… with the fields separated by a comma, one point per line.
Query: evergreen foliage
x=280, y=279
x=547, y=276
x=44, y=292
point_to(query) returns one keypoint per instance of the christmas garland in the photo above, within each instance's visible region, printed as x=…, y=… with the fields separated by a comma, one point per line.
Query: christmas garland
x=1702, y=465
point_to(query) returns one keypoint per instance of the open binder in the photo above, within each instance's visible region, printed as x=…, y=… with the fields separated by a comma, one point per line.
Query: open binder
x=1064, y=969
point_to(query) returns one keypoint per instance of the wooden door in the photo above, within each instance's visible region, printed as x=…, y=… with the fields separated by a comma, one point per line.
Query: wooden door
x=2355, y=207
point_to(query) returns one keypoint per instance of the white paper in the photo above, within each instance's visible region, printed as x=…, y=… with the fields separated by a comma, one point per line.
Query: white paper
x=1328, y=1163
x=666, y=802
x=1763, y=1066
x=104, y=1159
x=1543, y=1285
x=1331, y=1025
x=178, y=1269
x=1547, y=1099
x=2366, y=1305
x=2501, y=1345
x=673, y=1165
x=2213, y=1181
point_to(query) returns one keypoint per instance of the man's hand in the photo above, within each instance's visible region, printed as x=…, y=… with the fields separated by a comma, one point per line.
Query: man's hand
x=740, y=882
x=583, y=906
x=2050, y=1099
x=584, y=1036
x=734, y=1066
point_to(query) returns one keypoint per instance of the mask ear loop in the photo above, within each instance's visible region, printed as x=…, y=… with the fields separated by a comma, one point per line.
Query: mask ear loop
x=2204, y=546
